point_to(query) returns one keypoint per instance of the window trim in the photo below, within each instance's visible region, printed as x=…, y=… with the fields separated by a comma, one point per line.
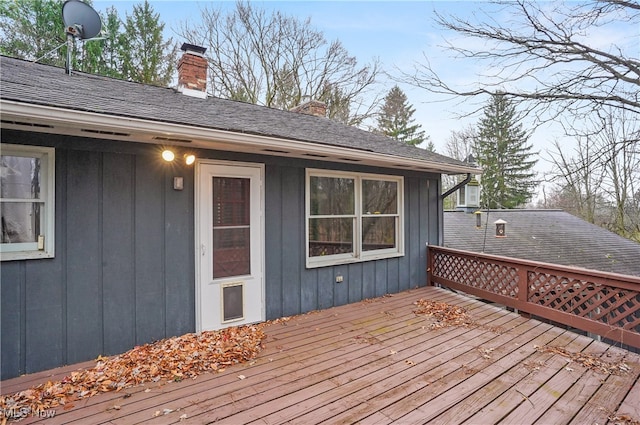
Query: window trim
x=29, y=250
x=358, y=255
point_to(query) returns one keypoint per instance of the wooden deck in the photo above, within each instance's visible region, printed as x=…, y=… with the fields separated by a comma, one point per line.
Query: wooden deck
x=377, y=362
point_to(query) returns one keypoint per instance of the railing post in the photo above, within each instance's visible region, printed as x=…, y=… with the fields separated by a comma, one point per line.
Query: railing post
x=523, y=287
x=606, y=304
x=429, y=266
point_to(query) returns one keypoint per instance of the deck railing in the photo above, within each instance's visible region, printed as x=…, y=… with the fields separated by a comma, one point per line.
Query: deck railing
x=605, y=304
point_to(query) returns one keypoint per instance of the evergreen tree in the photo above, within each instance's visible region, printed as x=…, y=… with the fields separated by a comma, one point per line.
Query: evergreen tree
x=338, y=105
x=146, y=56
x=431, y=147
x=503, y=151
x=32, y=29
x=395, y=119
x=103, y=57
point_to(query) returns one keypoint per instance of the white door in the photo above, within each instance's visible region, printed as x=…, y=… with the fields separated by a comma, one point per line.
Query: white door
x=229, y=245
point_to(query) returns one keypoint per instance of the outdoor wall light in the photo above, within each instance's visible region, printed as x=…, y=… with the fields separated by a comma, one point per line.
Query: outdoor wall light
x=168, y=155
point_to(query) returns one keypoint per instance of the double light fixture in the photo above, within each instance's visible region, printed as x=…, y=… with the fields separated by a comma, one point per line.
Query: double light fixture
x=169, y=156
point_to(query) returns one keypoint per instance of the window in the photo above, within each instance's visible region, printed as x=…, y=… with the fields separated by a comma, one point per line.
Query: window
x=231, y=227
x=27, y=202
x=352, y=217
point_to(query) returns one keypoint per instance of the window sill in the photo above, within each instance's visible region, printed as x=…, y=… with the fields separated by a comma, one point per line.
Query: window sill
x=314, y=264
x=25, y=255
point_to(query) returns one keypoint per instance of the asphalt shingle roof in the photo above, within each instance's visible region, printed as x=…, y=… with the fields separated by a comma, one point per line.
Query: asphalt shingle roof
x=549, y=236
x=45, y=85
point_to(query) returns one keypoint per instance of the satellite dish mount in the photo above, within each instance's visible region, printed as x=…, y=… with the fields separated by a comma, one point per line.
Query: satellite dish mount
x=81, y=21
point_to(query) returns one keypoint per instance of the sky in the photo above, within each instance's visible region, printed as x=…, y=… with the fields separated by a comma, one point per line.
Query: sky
x=395, y=32
x=398, y=33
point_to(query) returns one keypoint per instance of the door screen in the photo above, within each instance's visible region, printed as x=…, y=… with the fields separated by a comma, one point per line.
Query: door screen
x=231, y=227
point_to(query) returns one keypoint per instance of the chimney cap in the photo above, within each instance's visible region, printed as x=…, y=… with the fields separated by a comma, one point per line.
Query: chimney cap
x=186, y=47
x=311, y=107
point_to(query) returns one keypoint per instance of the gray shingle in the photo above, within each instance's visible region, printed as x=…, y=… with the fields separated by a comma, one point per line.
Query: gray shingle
x=50, y=86
x=549, y=236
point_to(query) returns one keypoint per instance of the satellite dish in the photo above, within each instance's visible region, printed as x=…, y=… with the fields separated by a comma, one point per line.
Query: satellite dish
x=80, y=19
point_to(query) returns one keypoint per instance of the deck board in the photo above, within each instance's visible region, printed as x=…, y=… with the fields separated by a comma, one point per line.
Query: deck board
x=377, y=362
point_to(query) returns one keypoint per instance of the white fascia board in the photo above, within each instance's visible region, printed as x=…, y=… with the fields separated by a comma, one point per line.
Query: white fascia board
x=75, y=119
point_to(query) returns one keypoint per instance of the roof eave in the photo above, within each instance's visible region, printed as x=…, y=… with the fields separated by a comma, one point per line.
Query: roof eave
x=48, y=119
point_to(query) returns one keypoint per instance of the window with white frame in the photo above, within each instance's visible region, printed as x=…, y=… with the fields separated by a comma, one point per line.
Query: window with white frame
x=27, y=196
x=352, y=217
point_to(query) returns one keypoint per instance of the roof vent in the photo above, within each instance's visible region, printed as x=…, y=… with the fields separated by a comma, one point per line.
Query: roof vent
x=192, y=71
x=500, y=228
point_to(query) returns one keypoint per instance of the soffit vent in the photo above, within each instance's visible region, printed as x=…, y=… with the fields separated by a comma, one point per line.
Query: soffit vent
x=105, y=132
x=172, y=139
x=27, y=124
x=274, y=151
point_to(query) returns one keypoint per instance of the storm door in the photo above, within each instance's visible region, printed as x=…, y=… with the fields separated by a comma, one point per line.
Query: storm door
x=229, y=205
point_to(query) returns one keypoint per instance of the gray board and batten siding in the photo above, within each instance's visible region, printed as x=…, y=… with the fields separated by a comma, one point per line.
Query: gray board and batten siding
x=123, y=272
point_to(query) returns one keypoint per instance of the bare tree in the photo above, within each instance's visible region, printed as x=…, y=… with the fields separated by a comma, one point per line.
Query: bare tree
x=604, y=174
x=279, y=61
x=579, y=180
x=621, y=162
x=461, y=142
x=542, y=54
x=459, y=145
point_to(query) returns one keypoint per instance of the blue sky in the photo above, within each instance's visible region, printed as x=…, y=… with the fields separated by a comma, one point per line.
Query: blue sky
x=399, y=33
x=395, y=32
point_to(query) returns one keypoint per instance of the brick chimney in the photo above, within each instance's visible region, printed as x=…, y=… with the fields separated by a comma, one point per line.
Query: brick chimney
x=192, y=71
x=311, y=107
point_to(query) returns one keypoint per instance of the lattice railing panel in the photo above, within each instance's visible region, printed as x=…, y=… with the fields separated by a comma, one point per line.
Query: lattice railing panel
x=495, y=278
x=596, y=301
x=606, y=304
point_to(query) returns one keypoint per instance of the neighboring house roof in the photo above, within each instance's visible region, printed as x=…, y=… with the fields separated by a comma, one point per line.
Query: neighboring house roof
x=96, y=106
x=549, y=236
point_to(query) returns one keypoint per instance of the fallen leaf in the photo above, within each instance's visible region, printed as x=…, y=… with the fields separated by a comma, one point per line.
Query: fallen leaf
x=590, y=361
x=409, y=362
x=170, y=359
x=241, y=377
x=166, y=411
x=183, y=417
x=486, y=352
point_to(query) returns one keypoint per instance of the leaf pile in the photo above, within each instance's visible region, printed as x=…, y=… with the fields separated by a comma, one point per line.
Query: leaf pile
x=445, y=314
x=171, y=359
x=589, y=361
